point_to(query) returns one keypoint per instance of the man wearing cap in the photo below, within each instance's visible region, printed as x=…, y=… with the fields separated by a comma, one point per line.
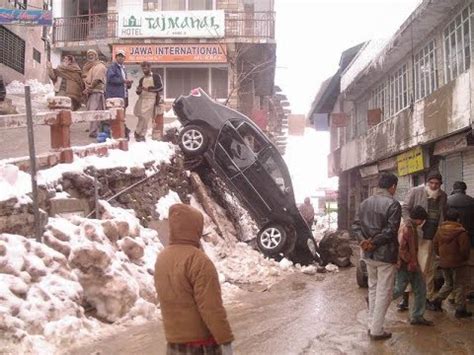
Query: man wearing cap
x=434, y=201
x=94, y=75
x=117, y=82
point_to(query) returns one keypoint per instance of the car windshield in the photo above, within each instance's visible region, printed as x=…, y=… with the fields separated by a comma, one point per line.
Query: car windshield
x=270, y=163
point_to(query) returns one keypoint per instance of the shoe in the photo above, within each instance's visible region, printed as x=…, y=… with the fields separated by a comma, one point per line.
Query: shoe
x=403, y=305
x=462, y=313
x=383, y=336
x=421, y=321
x=434, y=306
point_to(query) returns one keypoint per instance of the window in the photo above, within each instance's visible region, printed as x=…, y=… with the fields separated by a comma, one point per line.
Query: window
x=179, y=81
x=151, y=5
x=19, y=4
x=398, y=90
x=177, y=5
x=379, y=99
x=219, y=82
x=457, y=44
x=12, y=50
x=426, y=73
x=235, y=148
x=182, y=80
x=253, y=140
x=36, y=55
x=271, y=166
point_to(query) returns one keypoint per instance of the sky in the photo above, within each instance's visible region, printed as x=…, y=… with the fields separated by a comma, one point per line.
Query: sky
x=312, y=34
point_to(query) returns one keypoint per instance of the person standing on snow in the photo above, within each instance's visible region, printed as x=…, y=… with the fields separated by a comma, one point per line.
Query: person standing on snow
x=434, y=201
x=452, y=245
x=67, y=80
x=409, y=271
x=148, y=89
x=376, y=228
x=307, y=211
x=188, y=289
x=94, y=75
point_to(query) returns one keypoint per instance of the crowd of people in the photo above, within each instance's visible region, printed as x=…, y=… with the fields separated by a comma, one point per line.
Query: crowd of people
x=402, y=244
x=96, y=82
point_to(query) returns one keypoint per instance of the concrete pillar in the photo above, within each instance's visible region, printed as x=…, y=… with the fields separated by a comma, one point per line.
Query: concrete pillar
x=60, y=130
x=117, y=124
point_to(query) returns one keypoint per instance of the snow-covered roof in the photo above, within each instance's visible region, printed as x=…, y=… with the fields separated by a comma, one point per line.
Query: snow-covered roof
x=365, y=56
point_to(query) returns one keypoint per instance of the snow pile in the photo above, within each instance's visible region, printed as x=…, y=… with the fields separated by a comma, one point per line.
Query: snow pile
x=18, y=88
x=105, y=265
x=14, y=183
x=39, y=294
x=164, y=204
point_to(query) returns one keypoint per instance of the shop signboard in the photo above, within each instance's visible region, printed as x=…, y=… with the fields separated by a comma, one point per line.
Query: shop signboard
x=410, y=162
x=173, y=53
x=171, y=24
x=26, y=17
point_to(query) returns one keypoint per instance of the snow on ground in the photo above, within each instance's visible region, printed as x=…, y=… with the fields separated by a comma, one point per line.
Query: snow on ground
x=15, y=183
x=163, y=205
x=39, y=95
x=45, y=287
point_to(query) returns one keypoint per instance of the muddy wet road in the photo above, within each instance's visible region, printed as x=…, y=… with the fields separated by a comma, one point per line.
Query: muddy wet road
x=306, y=315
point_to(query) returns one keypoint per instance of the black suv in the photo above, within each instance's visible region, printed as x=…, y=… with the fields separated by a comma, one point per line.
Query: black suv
x=240, y=153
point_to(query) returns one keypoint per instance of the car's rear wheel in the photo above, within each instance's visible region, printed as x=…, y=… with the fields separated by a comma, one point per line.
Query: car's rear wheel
x=271, y=240
x=193, y=140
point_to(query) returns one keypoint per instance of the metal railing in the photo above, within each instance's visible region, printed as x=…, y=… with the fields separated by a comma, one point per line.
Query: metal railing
x=85, y=28
x=239, y=25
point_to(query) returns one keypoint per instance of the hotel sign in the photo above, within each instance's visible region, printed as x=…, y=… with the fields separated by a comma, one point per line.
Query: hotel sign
x=173, y=53
x=172, y=24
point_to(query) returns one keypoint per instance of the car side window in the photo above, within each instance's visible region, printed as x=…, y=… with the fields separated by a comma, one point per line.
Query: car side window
x=235, y=148
x=271, y=166
x=251, y=137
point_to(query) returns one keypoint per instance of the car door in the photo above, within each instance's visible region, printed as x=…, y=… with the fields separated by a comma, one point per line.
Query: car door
x=271, y=178
x=236, y=161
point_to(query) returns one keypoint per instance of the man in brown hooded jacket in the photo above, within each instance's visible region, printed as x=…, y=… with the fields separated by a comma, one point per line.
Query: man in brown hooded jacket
x=188, y=288
x=452, y=245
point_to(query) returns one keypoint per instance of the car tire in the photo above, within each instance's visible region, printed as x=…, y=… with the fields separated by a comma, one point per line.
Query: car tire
x=193, y=140
x=271, y=240
x=362, y=281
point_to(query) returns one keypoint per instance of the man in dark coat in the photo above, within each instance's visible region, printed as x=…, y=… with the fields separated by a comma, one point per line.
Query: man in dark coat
x=464, y=205
x=376, y=228
x=117, y=82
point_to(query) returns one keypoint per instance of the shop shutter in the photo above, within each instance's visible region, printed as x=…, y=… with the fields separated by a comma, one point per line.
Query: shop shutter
x=404, y=185
x=468, y=171
x=453, y=171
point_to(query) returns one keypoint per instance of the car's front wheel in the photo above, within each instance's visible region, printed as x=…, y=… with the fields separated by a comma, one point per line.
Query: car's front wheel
x=193, y=140
x=271, y=240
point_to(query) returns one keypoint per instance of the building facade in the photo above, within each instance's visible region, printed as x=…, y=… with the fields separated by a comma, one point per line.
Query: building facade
x=23, y=49
x=227, y=47
x=408, y=109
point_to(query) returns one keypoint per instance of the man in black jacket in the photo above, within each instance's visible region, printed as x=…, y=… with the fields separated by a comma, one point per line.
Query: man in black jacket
x=464, y=205
x=376, y=228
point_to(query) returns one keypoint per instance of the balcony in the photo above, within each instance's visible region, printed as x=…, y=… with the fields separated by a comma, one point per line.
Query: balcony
x=255, y=27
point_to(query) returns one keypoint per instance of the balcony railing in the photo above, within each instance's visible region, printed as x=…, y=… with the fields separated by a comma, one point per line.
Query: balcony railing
x=239, y=25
